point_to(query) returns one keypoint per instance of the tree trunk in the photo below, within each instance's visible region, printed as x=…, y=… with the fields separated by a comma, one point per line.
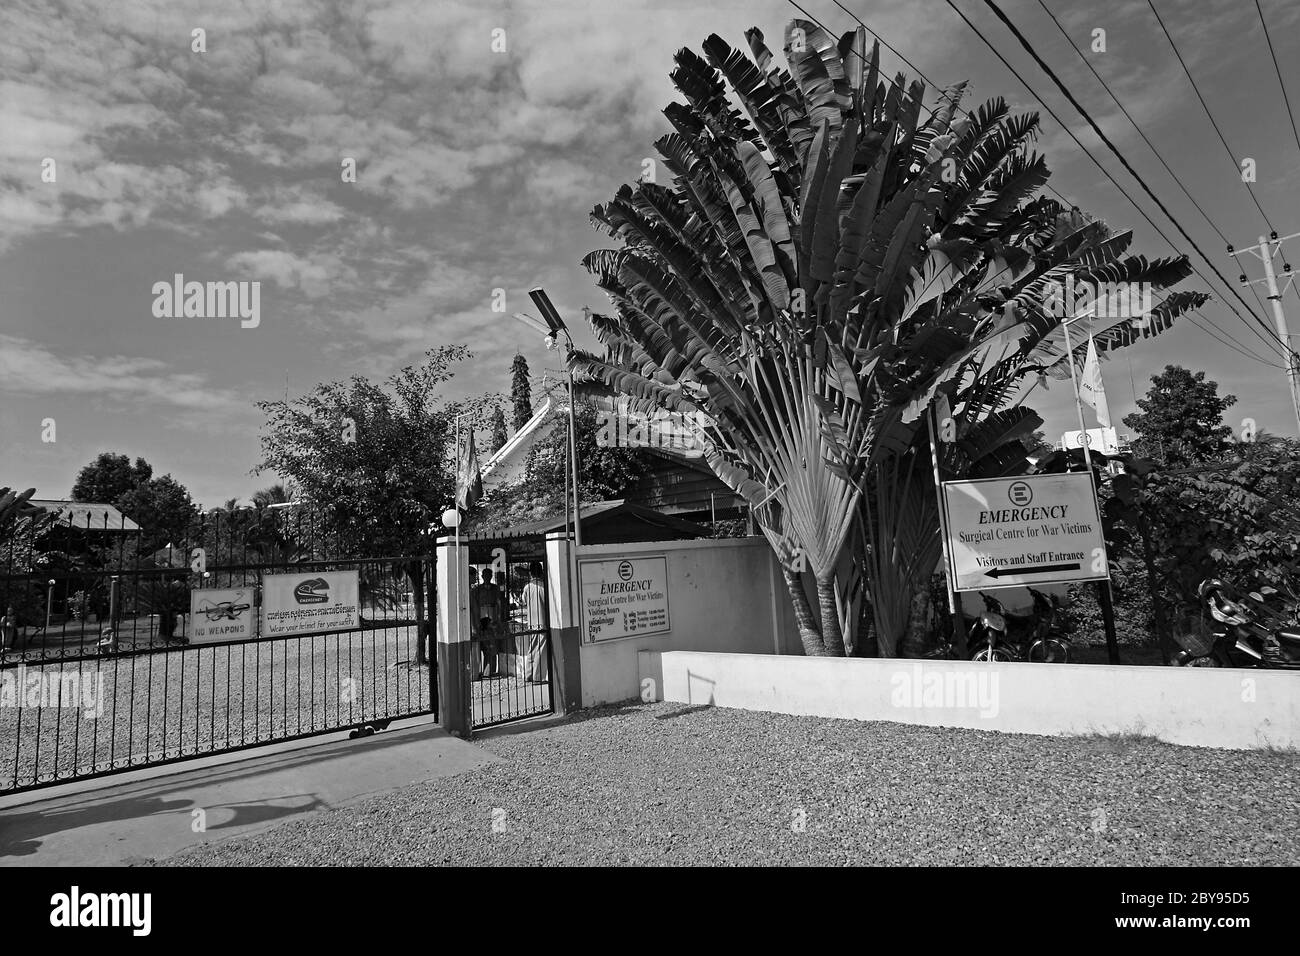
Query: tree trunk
x=916, y=639
x=415, y=574
x=809, y=633
x=832, y=633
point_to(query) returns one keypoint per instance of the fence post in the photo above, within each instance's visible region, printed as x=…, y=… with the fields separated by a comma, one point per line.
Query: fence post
x=455, y=649
x=562, y=603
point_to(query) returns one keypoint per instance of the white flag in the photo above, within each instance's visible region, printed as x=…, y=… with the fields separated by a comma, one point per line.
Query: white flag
x=1091, y=389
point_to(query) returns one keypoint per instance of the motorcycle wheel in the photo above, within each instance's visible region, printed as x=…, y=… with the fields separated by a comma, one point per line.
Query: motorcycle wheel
x=1202, y=662
x=1049, y=652
x=993, y=654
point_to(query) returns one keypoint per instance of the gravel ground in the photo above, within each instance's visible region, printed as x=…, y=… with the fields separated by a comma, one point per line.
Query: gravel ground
x=206, y=698
x=665, y=784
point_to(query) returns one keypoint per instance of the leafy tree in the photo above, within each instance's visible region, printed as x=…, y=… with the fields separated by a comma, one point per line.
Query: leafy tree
x=109, y=477
x=499, y=436
x=823, y=271
x=1181, y=418
x=374, y=458
x=521, y=394
x=276, y=494
x=161, y=507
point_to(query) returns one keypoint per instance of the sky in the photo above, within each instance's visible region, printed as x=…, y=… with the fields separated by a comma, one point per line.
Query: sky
x=483, y=133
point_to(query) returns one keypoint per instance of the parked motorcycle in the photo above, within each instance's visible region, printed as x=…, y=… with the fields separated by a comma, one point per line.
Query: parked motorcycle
x=997, y=635
x=1248, y=632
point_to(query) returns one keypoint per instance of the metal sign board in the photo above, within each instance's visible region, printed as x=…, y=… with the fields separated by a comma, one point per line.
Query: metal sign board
x=221, y=614
x=624, y=597
x=1036, y=529
x=310, y=601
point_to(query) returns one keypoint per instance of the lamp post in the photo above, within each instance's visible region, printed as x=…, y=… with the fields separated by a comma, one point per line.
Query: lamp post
x=553, y=328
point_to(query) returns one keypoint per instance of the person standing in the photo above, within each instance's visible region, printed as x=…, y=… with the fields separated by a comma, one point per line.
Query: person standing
x=487, y=611
x=533, y=665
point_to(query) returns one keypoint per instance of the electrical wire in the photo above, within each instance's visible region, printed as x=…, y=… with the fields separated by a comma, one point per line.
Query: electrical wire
x=1048, y=70
x=1231, y=155
x=1268, y=340
x=1290, y=113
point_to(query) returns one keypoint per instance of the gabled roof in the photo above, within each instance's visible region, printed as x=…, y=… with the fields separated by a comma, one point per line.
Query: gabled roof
x=508, y=461
x=87, y=515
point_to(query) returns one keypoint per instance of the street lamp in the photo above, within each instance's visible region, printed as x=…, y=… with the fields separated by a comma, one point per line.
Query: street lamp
x=553, y=328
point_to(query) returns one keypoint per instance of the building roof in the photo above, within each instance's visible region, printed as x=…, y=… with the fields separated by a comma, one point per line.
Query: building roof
x=507, y=464
x=87, y=515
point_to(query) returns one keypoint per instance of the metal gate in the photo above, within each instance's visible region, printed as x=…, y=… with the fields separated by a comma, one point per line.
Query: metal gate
x=511, y=651
x=98, y=674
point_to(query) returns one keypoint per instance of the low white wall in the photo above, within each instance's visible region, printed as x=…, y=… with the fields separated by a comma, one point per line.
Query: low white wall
x=724, y=595
x=1205, y=707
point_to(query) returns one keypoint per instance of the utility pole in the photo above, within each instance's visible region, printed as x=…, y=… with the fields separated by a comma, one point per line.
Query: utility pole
x=1265, y=252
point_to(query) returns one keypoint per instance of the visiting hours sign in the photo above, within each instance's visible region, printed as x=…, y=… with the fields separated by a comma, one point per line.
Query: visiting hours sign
x=624, y=597
x=1037, y=529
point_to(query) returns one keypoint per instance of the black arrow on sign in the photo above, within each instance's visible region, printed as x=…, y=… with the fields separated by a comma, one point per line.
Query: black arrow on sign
x=1030, y=569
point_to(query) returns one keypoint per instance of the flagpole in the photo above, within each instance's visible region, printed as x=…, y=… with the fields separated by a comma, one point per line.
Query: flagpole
x=954, y=607
x=1078, y=402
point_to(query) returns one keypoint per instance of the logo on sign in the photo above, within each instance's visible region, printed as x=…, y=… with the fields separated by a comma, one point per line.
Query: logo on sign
x=313, y=591
x=1020, y=493
x=625, y=570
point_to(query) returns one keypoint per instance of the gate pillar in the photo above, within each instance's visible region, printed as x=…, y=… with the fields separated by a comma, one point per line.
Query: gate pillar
x=455, y=650
x=565, y=623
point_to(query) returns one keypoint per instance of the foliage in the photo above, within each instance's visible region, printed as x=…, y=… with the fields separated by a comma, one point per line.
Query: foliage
x=603, y=473
x=815, y=305
x=521, y=395
x=374, y=458
x=499, y=436
x=1181, y=418
x=161, y=507
x=1134, y=614
x=109, y=477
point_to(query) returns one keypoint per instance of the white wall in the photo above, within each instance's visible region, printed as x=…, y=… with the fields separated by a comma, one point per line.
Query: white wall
x=1208, y=707
x=724, y=595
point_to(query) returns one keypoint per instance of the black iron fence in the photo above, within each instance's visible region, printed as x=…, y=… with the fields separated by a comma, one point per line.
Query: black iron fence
x=115, y=654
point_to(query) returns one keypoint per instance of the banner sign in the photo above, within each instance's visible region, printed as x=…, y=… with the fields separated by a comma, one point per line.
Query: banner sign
x=221, y=614
x=624, y=597
x=310, y=601
x=1037, y=529
x=1104, y=440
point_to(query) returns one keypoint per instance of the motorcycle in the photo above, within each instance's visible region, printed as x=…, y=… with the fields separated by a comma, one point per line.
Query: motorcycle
x=1250, y=633
x=997, y=635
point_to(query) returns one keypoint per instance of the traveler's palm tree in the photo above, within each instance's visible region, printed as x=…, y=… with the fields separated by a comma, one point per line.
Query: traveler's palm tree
x=819, y=276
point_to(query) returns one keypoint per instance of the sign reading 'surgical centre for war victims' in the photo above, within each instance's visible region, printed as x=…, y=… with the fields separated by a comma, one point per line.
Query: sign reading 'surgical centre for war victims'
x=624, y=597
x=1039, y=529
x=310, y=601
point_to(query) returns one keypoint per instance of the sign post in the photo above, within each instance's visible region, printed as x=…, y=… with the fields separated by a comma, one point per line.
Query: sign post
x=221, y=614
x=1036, y=529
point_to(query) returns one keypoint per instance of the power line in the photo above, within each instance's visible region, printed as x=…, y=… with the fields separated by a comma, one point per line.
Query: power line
x=1061, y=86
x=1290, y=114
x=1271, y=342
x=1138, y=128
x=1231, y=155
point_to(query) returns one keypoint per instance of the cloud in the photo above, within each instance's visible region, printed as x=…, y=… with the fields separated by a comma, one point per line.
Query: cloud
x=312, y=276
x=28, y=368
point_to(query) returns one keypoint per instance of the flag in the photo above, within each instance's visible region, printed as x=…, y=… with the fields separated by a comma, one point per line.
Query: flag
x=469, y=479
x=1091, y=389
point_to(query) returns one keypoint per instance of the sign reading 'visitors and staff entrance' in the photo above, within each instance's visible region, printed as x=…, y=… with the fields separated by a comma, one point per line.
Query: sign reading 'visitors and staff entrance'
x=311, y=601
x=1039, y=529
x=624, y=597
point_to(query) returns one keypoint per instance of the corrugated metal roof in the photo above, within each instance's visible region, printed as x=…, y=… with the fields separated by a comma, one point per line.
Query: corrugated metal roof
x=89, y=515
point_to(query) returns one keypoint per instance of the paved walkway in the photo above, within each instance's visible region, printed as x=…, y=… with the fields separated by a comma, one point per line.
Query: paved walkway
x=127, y=818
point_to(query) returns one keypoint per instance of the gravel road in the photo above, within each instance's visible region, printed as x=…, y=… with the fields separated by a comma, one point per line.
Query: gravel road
x=665, y=784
